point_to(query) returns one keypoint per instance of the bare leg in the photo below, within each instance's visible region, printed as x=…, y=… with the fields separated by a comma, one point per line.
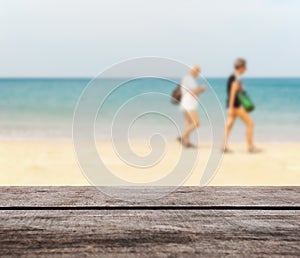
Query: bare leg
x=186, y=121
x=229, y=124
x=193, y=122
x=245, y=117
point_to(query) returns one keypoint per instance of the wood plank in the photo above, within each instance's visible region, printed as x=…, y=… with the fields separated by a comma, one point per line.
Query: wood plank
x=152, y=233
x=205, y=196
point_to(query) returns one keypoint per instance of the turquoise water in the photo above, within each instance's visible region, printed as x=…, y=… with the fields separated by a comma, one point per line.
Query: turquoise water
x=43, y=108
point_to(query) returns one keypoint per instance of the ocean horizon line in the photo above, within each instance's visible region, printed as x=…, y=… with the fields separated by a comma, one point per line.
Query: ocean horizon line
x=116, y=77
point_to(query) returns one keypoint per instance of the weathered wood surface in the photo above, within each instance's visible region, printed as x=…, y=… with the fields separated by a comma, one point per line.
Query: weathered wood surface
x=150, y=233
x=183, y=196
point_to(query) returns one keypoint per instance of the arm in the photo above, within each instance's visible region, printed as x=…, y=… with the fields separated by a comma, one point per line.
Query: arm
x=198, y=90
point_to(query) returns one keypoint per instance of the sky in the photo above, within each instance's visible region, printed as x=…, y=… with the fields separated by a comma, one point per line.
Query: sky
x=80, y=38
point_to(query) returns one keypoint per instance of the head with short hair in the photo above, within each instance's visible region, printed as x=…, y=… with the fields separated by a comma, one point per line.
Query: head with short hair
x=240, y=65
x=195, y=70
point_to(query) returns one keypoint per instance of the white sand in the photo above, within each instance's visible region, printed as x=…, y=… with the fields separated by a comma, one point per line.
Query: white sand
x=54, y=163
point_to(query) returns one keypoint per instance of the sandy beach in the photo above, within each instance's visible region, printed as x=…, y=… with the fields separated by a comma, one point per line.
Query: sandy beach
x=34, y=163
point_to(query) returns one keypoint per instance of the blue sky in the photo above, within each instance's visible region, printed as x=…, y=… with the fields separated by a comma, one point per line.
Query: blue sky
x=66, y=38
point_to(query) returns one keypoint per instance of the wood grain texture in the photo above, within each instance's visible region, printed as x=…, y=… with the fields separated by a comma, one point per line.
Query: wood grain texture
x=150, y=233
x=198, y=196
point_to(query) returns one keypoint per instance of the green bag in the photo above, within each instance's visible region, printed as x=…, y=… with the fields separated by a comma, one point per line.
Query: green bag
x=245, y=101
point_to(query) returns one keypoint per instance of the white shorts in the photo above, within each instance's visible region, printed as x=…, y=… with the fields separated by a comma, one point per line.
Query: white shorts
x=188, y=103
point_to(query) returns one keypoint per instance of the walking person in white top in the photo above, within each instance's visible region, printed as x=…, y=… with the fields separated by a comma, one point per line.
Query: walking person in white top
x=189, y=104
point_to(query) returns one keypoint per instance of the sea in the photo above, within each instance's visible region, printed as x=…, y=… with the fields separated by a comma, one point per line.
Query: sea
x=44, y=108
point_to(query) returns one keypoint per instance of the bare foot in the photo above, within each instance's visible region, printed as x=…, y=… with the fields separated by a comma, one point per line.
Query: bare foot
x=226, y=150
x=179, y=139
x=189, y=145
x=254, y=150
